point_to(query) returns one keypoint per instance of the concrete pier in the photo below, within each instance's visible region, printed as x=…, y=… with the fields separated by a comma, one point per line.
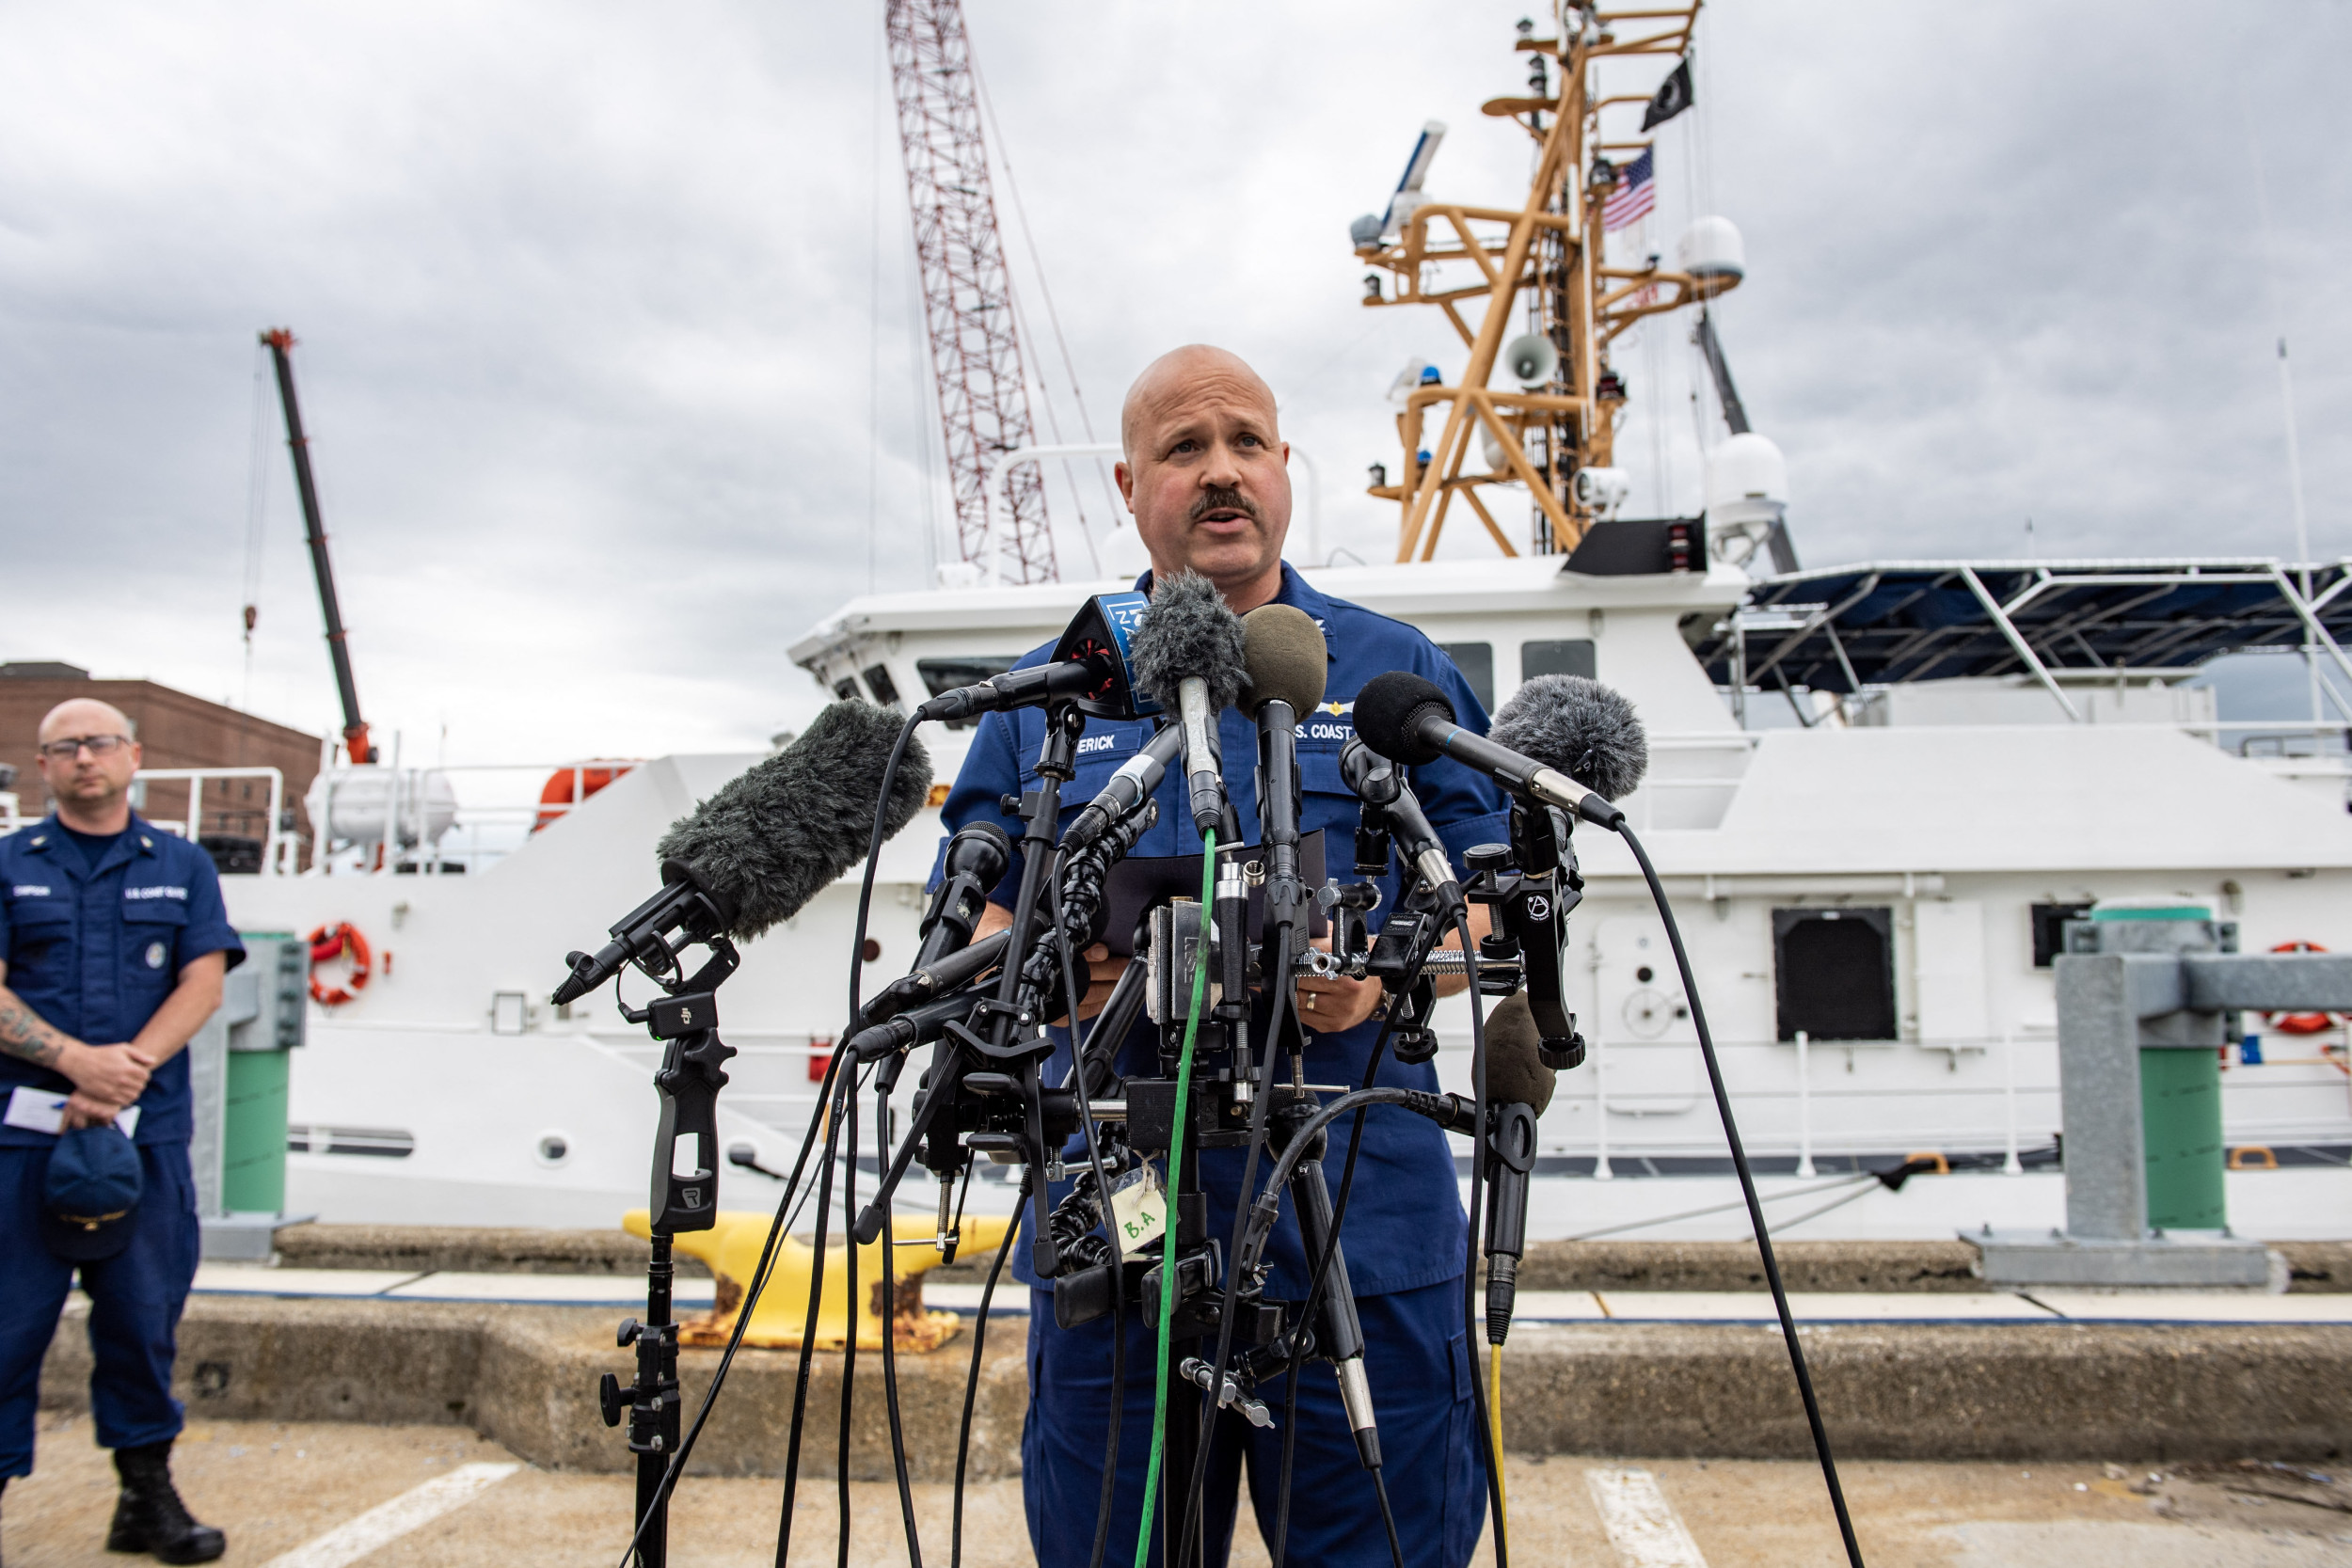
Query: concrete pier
x=2062, y=1389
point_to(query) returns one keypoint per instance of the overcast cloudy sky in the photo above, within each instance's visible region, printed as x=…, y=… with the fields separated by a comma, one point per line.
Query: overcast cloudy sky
x=609, y=354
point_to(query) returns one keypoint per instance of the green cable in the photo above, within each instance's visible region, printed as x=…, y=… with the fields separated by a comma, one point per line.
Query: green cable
x=1175, y=1173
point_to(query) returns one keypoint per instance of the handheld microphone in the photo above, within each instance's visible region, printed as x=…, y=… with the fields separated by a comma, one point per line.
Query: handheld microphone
x=1128, y=788
x=1285, y=663
x=1091, y=668
x=1189, y=653
x=926, y=1021
x=767, y=842
x=976, y=862
x=1379, y=783
x=1571, y=723
x=1518, y=1087
x=929, y=982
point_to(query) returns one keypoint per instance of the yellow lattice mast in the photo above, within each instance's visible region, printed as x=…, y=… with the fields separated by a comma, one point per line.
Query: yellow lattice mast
x=1560, y=419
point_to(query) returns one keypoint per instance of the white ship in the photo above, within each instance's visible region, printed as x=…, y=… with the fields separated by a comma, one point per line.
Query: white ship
x=1981, y=750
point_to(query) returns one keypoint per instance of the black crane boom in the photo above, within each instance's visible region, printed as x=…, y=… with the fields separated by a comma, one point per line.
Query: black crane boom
x=356, y=747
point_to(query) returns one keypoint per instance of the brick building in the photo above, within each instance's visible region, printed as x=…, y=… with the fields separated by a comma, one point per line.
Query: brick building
x=178, y=731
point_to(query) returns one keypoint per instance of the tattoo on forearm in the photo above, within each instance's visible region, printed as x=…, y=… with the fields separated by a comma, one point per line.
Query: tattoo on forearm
x=24, y=1034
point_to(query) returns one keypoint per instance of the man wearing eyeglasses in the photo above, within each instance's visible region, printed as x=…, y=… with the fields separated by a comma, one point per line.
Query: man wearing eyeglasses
x=113, y=944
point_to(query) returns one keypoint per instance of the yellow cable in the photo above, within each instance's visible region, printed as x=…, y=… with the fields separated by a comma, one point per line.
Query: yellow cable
x=1494, y=1411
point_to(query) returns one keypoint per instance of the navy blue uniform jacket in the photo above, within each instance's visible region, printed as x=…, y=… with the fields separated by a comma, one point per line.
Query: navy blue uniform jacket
x=94, y=950
x=1405, y=1228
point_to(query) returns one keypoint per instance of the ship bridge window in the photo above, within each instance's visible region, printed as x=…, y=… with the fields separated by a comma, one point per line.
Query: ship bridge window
x=1476, y=661
x=2049, y=929
x=1572, y=656
x=942, y=675
x=878, y=681
x=845, y=689
x=1834, y=974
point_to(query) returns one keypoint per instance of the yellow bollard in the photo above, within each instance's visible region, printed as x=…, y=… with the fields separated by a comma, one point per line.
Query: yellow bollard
x=731, y=1250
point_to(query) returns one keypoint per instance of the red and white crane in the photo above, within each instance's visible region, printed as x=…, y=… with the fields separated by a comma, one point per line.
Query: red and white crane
x=967, y=289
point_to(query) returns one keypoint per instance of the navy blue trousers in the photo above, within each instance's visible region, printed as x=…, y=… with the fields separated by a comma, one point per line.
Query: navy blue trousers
x=1419, y=1367
x=135, y=1298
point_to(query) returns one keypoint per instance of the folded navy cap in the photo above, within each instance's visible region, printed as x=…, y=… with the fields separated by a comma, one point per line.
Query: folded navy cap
x=93, y=1191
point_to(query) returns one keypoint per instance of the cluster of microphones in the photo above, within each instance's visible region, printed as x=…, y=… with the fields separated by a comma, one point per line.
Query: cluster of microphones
x=756, y=852
x=1562, y=750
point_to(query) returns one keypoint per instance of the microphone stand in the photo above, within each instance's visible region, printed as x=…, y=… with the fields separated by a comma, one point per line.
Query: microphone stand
x=686, y=1134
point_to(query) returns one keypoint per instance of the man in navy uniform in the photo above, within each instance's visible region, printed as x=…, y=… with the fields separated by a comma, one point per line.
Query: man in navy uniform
x=113, y=944
x=1204, y=476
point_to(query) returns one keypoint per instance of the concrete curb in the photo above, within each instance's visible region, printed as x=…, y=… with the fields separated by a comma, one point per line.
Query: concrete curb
x=1934, y=1391
x=1605, y=1265
x=526, y=1377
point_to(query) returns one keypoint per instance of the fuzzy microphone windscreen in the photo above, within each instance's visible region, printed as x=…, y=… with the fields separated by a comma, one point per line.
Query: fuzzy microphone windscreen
x=778, y=833
x=1388, y=711
x=1188, y=632
x=1578, y=726
x=1516, y=1075
x=1284, y=659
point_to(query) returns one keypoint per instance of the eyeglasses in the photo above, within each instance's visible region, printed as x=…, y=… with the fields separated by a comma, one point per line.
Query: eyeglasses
x=99, y=746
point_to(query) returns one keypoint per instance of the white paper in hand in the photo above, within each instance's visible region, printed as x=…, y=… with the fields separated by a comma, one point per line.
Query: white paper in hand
x=43, y=1111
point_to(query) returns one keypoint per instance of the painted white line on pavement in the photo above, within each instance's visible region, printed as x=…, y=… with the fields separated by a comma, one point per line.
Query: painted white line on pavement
x=418, y=1506
x=1642, y=1525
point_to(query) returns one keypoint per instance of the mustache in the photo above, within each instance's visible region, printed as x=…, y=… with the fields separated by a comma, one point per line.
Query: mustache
x=1226, y=500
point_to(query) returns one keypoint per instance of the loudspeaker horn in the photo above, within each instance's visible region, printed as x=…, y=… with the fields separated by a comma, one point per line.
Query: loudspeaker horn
x=1531, y=358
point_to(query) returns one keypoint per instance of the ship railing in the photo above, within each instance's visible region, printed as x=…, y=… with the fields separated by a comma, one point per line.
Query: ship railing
x=277, y=846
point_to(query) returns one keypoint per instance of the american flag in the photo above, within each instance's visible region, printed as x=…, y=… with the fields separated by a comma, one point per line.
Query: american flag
x=1635, y=194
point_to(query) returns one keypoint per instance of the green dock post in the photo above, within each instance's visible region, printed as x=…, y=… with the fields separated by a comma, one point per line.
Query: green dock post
x=2180, y=1111
x=253, y=1140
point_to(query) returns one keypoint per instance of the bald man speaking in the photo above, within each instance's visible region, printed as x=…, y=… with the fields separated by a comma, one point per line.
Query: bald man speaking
x=1206, y=479
x=113, y=944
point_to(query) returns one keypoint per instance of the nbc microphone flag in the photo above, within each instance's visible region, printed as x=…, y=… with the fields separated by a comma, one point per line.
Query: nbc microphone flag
x=1634, y=196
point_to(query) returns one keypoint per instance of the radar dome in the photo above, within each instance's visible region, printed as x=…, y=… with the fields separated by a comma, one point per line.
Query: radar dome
x=1747, y=498
x=1711, y=250
x=1365, y=231
x=1747, y=480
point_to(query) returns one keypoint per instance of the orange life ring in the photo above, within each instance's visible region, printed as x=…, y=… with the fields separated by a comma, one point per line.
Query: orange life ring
x=2298, y=1023
x=343, y=941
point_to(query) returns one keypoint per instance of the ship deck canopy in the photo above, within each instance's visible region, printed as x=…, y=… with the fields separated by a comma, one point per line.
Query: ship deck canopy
x=1841, y=628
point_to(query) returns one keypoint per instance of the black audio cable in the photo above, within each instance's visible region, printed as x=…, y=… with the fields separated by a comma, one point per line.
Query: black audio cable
x=1469, y=1265
x=890, y=1335
x=829, y=1110
x=1110, y=1232
x=972, y=1382
x=1747, y=1191
x=851, y=1301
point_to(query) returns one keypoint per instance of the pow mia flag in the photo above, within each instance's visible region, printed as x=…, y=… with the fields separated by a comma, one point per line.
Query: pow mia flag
x=1673, y=96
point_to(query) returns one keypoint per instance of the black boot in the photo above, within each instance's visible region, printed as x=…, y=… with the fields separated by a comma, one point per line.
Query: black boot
x=150, y=1516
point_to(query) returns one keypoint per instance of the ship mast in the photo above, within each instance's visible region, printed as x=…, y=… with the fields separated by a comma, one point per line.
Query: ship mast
x=1560, y=420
